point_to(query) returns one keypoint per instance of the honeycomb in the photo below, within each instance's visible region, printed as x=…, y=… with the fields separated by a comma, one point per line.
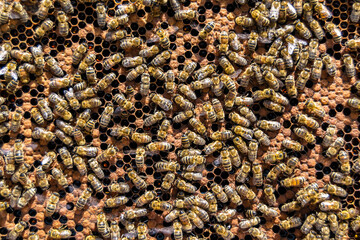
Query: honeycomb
x=186, y=45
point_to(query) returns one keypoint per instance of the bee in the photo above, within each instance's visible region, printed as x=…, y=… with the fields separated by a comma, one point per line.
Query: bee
x=130, y=62
x=140, y=137
x=44, y=7
x=316, y=69
x=248, y=223
x=113, y=60
x=26, y=197
x=135, y=213
x=243, y=132
x=80, y=165
x=87, y=62
x=94, y=181
x=224, y=42
x=303, y=30
x=114, y=230
x=355, y=12
x=132, y=42
x=290, y=86
x=116, y=201
x=73, y=102
x=274, y=11
x=154, y=118
x=244, y=172
x=149, y=52
x=273, y=106
x=330, y=205
x=14, y=198
x=119, y=187
x=303, y=60
x=115, y=35
x=44, y=27
x=223, y=232
x=63, y=23
x=219, y=192
x=55, y=69
x=95, y=166
x=204, y=71
x=232, y=195
x=314, y=108
x=145, y=198
x=292, y=182
x=335, y=190
x=168, y=180
x=161, y=58
x=63, y=113
x=291, y=206
x=260, y=19
x=225, y=215
x=83, y=118
x=161, y=205
x=79, y=53
x=187, y=71
x=52, y=204
x=106, y=115
x=342, y=231
x=23, y=56
x=290, y=223
x=263, y=94
x=162, y=102
x=307, y=121
x=138, y=182
x=330, y=66
x=137, y=71
x=222, y=135
x=16, y=119
x=18, y=229
x=245, y=21
x=267, y=211
x=344, y=160
x=213, y=147
x=313, y=46
x=103, y=226
x=48, y=160
x=335, y=147
x=123, y=102
x=158, y=146
x=305, y=134
x=145, y=83
x=349, y=65
x=163, y=129
x=236, y=58
x=177, y=226
x=185, y=186
x=290, y=165
x=240, y=145
x=354, y=103
x=114, y=23
x=355, y=224
x=257, y=233
x=226, y=65
x=209, y=27
x=101, y=14
x=308, y=224
x=59, y=177
x=289, y=63
x=276, y=171
x=341, y=178
x=317, y=29
x=268, y=125
x=271, y=80
x=186, y=14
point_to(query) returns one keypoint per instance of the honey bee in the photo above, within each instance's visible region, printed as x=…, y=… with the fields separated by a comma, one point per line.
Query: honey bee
x=135, y=213
x=302, y=29
x=73, y=102
x=145, y=198
x=204, y=71
x=328, y=137
x=116, y=201
x=293, y=182
x=257, y=233
x=14, y=198
x=162, y=102
x=244, y=21
x=349, y=65
x=245, y=192
x=259, y=17
x=168, y=180
x=119, y=187
x=23, y=56
x=341, y=178
x=26, y=197
x=330, y=66
x=342, y=231
x=313, y=46
x=94, y=181
x=132, y=42
x=114, y=230
x=225, y=215
x=54, y=67
x=329, y=205
x=355, y=224
x=314, y=108
x=354, y=103
x=44, y=7
x=52, y=204
x=103, y=226
x=248, y=223
x=177, y=226
x=308, y=224
x=226, y=65
x=95, y=166
x=87, y=62
x=232, y=195
x=161, y=205
x=84, y=197
x=185, y=186
x=290, y=223
x=42, y=134
x=355, y=12
x=291, y=206
x=305, y=134
x=63, y=23
x=334, y=31
x=18, y=229
x=136, y=179
x=223, y=232
x=276, y=171
x=335, y=190
x=80, y=165
x=101, y=14
x=267, y=211
x=335, y=147
x=291, y=164
x=89, y=126
x=114, y=23
x=207, y=29
x=44, y=27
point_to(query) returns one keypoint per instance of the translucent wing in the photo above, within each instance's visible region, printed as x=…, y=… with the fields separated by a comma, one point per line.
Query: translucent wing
x=14, y=75
x=3, y=70
x=243, y=36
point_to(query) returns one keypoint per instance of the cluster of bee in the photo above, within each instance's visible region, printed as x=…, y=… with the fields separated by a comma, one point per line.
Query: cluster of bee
x=293, y=30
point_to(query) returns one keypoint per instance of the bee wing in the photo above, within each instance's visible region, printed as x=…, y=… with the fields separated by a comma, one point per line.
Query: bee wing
x=243, y=36
x=234, y=75
x=265, y=40
x=338, y=31
x=14, y=75
x=14, y=15
x=153, y=39
x=217, y=161
x=2, y=53
x=3, y=70
x=291, y=48
x=302, y=42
